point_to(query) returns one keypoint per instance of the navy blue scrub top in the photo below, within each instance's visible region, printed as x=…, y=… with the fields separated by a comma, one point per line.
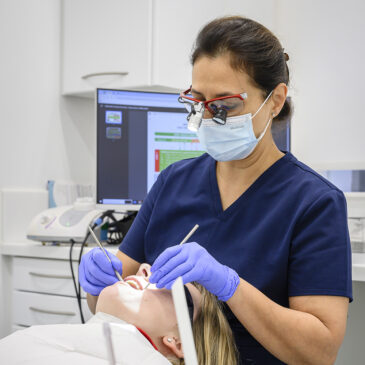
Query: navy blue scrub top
x=286, y=234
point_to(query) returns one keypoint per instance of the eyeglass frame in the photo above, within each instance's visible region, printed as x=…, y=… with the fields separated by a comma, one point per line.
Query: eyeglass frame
x=242, y=96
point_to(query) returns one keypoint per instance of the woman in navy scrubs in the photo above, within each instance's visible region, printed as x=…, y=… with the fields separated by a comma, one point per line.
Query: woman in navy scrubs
x=272, y=242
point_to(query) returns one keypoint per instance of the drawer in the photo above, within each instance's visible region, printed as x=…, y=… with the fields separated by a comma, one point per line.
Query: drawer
x=44, y=276
x=32, y=309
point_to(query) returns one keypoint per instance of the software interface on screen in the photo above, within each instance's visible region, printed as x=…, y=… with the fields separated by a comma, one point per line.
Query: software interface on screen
x=138, y=135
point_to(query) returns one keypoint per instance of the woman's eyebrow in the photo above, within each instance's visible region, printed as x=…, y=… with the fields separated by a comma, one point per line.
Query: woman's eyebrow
x=226, y=93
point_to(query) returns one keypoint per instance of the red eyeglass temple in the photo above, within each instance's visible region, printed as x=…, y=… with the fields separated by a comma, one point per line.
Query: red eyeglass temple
x=183, y=94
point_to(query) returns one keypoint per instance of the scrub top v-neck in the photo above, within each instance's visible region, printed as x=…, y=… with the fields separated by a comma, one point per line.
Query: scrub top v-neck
x=286, y=234
x=240, y=201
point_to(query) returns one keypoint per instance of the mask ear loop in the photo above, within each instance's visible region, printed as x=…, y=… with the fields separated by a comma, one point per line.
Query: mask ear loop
x=264, y=131
x=267, y=98
x=268, y=123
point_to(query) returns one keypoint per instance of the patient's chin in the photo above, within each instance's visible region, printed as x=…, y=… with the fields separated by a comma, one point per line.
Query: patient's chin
x=106, y=298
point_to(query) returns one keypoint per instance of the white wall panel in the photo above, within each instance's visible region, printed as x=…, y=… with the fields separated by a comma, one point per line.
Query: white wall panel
x=324, y=40
x=41, y=137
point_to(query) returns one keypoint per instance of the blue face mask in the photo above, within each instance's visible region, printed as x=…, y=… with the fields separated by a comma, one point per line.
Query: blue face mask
x=234, y=140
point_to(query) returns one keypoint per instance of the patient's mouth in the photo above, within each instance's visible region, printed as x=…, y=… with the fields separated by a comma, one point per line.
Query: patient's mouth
x=133, y=282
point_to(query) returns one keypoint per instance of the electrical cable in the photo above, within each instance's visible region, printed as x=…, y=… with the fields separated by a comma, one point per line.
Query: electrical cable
x=116, y=234
x=78, y=288
x=78, y=294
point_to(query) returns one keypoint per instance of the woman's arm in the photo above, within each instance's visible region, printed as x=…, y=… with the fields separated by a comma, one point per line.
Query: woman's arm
x=309, y=332
x=130, y=267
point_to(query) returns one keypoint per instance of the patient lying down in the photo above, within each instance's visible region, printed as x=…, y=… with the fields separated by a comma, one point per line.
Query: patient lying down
x=143, y=325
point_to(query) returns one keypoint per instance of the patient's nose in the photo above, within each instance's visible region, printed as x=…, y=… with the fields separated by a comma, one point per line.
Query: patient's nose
x=144, y=271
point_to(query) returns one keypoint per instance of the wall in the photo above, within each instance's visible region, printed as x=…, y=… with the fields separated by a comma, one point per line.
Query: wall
x=43, y=136
x=324, y=40
x=181, y=32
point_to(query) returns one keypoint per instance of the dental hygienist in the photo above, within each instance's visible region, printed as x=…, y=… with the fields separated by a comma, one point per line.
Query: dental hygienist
x=273, y=242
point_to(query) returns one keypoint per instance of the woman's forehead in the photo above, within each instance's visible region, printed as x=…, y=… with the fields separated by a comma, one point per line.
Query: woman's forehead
x=213, y=77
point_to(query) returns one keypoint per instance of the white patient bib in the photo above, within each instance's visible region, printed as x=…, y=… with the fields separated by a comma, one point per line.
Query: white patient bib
x=67, y=344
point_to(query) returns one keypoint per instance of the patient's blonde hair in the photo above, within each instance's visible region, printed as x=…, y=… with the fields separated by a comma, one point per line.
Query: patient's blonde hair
x=214, y=341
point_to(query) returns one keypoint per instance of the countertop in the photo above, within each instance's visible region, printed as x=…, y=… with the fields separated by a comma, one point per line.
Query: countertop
x=36, y=249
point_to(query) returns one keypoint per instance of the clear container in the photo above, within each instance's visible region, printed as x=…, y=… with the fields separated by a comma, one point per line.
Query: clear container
x=357, y=234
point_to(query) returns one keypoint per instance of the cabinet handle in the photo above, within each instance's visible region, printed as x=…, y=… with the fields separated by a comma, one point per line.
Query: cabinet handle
x=104, y=73
x=50, y=275
x=52, y=312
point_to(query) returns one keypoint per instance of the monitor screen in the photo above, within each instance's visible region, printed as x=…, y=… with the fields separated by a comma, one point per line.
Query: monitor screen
x=138, y=135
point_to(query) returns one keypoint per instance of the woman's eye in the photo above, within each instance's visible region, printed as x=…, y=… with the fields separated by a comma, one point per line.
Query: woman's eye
x=230, y=106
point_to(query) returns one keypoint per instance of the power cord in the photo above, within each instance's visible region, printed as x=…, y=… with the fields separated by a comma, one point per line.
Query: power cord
x=77, y=292
x=116, y=232
x=77, y=286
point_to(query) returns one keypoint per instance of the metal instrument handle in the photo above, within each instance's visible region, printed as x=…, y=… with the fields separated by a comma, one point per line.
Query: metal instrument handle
x=103, y=74
x=50, y=275
x=52, y=312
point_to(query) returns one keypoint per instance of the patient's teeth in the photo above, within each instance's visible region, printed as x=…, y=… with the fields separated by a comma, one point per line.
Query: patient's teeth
x=132, y=284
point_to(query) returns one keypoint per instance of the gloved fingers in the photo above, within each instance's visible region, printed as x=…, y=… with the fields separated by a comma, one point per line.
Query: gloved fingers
x=86, y=285
x=99, y=277
x=174, y=273
x=186, y=278
x=168, y=267
x=116, y=263
x=165, y=256
x=92, y=271
x=102, y=262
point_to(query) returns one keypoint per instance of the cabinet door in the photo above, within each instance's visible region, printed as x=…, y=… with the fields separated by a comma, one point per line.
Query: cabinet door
x=32, y=309
x=44, y=276
x=176, y=25
x=107, y=37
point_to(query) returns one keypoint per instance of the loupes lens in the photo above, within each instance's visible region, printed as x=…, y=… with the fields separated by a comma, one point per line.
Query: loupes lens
x=220, y=116
x=232, y=106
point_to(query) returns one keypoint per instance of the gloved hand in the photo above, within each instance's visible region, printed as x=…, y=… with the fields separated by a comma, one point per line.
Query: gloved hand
x=96, y=272
x=193, y=263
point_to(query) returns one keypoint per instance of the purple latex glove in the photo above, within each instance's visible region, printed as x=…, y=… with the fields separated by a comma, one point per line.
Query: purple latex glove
x=193, y=263
x=96, y=272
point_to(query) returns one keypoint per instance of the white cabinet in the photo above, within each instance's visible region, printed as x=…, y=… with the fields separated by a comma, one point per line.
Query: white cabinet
x=105, y=44
x=43, y=293
x=149, y=40
x=44, y=276
x=36, y=309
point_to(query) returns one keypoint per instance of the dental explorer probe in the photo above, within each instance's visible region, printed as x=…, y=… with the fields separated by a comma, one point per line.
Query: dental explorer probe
x=102, y=248
x=183, y=241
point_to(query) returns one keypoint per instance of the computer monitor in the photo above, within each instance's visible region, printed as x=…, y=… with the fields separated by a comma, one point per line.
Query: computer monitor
x=140, y=133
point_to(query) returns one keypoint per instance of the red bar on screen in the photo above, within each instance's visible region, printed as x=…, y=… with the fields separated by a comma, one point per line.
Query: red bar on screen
x=157, y=160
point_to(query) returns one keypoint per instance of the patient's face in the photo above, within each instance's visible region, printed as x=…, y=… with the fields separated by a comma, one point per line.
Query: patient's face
x=151, y=309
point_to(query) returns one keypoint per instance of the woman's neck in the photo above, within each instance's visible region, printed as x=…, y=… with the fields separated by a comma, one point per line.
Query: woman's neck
x=264, y=155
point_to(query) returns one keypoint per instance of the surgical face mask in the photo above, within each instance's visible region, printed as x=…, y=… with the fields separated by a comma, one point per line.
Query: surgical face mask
x=234, y=140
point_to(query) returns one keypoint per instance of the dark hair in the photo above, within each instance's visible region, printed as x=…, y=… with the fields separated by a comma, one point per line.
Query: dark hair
x=253, y=49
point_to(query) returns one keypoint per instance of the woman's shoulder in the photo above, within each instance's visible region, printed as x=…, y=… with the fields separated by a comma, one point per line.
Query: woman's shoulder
x=307, y=181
